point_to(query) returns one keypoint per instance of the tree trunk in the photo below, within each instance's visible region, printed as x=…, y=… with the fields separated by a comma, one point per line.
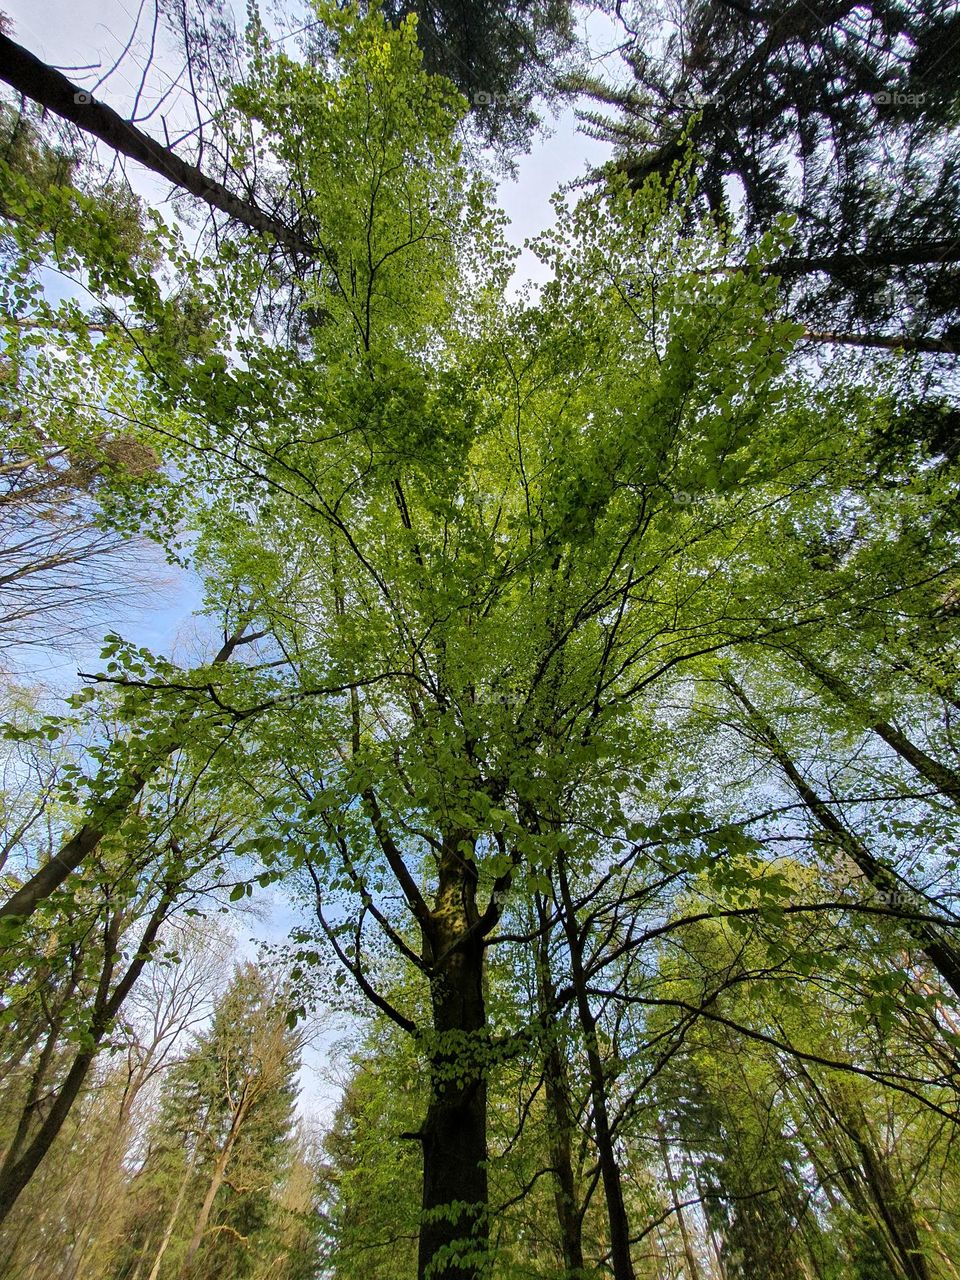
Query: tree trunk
x=620, y=1258
x=22, y=903
x=885, y=342
x=893, y=1206
x=52, y=90
x=942, y=954
x=922, y=254
x=867, y=1188
x=38, y=1079
x=16, y=1173
x=693, y=1266
x=171, y=1220
x=557, y=1090
x=216, y=1182
x=718, y=1266
x=945, y=779
x=454, y=1228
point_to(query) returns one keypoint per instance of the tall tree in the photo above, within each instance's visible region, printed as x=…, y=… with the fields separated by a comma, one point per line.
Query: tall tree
x=484, y=537
x=223, y=1140
x=839, y=114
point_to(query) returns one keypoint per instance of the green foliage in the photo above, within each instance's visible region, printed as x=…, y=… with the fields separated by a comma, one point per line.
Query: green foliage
x=497, y=561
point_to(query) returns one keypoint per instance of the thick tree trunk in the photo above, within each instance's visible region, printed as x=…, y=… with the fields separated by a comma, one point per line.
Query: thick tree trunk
x=620, y=1258
x=922, y=254
x=941, y=953
x=885, y=342
x=557, y=1092
x=454, y=1229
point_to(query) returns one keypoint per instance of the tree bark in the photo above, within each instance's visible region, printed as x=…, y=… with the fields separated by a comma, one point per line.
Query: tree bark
x=893, y=1207
x=620, y=1258
x=922, y=254
x=718, y=1264
x=454, y=1229
x=52, y=90
x=557, y=1091
x=868, y=1183
x=38, y=1079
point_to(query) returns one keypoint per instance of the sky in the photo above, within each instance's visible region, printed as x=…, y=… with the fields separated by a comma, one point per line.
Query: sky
x=80, y=37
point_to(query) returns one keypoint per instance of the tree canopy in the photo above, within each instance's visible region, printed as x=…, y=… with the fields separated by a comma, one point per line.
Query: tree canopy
x=585, y=691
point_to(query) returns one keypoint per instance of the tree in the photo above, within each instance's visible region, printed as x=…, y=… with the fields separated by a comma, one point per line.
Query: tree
x=53, y=91
x=485, y=539
x=64, y=564
x=371, y=1204
x=96, y=937
x=126, y=771
x=72, y=1217
x=501, y=54
x=223, y=1139
x=840, y=115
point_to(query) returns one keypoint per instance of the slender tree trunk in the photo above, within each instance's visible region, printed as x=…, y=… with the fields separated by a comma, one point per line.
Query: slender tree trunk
x=942, y=954
x=37, y=1081
x=217, y=1176
x=25, y=900
x=172, y=1219
x=925, y=253
x=893, y=1205
x=871, y=1194
x=52, y=90
x=15, y=1176
x=454, y=1229
x=711, y=1233
x=109, y=1170
x=557, y=1091
x=108, y=817
x=16, y=1173
x=693, y=1266
x=945, y=779
x=620, y=1258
